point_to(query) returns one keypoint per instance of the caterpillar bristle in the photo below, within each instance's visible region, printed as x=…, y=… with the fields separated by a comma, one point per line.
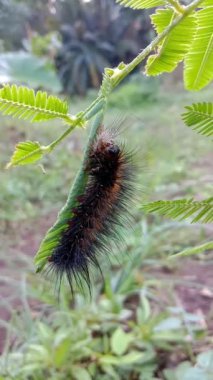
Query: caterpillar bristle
x=101, y=211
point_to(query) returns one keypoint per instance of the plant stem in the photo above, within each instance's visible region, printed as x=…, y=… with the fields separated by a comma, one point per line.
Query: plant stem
x=81, y=176
x=86, y=115
x=120, y=75
x=177, y=6
x=62, y=137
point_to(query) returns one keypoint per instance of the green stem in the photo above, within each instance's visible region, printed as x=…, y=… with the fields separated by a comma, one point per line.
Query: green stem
x=119, y=75
x=96, y=106
x=81, y=177
x=62, y=137
x=177, y=6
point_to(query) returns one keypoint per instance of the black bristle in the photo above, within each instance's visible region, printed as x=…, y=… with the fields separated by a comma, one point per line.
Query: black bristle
x=104, y=206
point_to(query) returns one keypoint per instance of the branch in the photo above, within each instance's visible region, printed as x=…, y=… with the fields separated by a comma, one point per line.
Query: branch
x=117, y=75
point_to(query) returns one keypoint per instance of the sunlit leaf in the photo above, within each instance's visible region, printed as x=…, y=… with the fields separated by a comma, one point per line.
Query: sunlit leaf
x=194, y=250
x=199, y=116
x=197, y=211
x=23, y=103
x=198, y=67
x=27, y=152
x=175, y=45
x=206, y=3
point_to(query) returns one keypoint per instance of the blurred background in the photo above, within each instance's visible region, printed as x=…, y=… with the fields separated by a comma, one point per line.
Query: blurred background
x=151, y=318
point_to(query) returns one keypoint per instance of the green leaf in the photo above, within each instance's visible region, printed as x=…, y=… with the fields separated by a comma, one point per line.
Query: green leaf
x=194, y=250
x=206, y=3
x=141, y=4
x=22, y=102
x=120, y=341
x=175, y=45
x=132, y=357
x=198, y=65
x=199, y=116
x=181, y=209
x=27, y=152
x=80, y=373
x=61, y=352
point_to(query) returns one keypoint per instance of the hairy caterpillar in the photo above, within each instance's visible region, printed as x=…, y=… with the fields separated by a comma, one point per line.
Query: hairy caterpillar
x=102, y=209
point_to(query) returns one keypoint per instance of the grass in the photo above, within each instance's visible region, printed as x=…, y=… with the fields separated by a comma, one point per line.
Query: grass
x=136, y=324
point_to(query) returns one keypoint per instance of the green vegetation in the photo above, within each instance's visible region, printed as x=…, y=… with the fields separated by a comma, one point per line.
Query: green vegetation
x=135, y=326
x=142, y=322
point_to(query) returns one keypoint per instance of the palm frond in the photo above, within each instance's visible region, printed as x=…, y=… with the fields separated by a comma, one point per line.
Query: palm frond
x=193, y=250
x=141, y=4
x=197, y=211
x=175, y=45
x=199, y=116
x=198, y=70
x=22, y=102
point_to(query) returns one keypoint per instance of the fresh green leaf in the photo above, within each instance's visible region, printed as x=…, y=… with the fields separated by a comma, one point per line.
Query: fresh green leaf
x=194, y=250
x=199, y=116
x=206, y=3
x=141, y=4
x=80, y=373
x=61, y=352
x=198, y=67
x=22, y=102
x=198, y=211
x=27, y=152
x=174, y=46
x=120, y=341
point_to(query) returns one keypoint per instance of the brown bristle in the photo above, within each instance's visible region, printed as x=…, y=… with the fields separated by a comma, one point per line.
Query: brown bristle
x=100, y=210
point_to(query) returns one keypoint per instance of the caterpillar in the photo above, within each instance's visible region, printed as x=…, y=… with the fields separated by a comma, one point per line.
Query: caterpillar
x=101, y=212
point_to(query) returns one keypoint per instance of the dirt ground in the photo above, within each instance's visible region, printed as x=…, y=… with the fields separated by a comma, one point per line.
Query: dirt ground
x=192, y=280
